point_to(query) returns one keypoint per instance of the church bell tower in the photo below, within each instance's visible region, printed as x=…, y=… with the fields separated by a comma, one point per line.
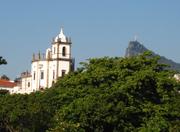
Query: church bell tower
x=47, y=68
x=61, y=55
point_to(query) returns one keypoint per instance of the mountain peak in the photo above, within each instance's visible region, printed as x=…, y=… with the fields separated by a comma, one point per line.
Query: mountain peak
x=135, y=48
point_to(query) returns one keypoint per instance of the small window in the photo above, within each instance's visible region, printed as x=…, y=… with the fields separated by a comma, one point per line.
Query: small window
x=64, y=51
x=34, y=75
x=53, y=74
x=54, y=50
x=63, y=73
x=28, y=84
x=42, y=74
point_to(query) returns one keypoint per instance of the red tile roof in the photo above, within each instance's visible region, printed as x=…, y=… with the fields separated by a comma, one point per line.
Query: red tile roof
x=7, y=84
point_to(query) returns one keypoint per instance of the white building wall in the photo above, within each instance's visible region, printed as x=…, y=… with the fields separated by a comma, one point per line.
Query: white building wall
x=64, y=66
x=34, y=73
x=26, y=84
x=54, y=50
x=52, y=72
x=39, y=75
x=16, y=90
x=53, y=75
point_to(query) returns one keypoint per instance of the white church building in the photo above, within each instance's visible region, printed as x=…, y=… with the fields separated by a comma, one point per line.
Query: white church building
x=47, y=68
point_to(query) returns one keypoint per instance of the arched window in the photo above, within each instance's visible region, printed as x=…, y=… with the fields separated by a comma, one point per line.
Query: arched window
x=64, y=51
x=42, y=74
x=34, y=75
x=53, y=74
x=29, y=84
x=63, y=72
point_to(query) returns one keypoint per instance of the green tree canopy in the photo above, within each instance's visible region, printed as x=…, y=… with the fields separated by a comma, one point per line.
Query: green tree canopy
x=104, y=95
x=4, y=77
x=119, y=94
x=2, y=61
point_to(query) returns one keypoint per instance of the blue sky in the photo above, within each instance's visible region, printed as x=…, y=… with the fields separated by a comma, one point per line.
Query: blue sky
x=97, y=27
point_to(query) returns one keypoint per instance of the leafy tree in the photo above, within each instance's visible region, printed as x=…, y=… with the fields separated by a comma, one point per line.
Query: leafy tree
x=2, y=61
x=118, y=94
x=104, y=95
x=4, y=77
x=27, y=113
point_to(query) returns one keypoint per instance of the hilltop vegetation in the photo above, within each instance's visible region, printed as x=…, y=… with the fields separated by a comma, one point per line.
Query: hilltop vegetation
x=104, y=95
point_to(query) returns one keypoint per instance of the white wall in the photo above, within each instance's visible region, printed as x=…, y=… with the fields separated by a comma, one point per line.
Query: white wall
x=37, y=68
x=54, y=50
x=24, y=84
x=64, y=65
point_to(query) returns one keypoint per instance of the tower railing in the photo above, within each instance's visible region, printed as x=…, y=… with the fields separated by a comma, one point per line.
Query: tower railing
x=38, y=57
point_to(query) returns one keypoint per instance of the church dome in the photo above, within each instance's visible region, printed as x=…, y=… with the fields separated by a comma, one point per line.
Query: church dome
x=60, y=37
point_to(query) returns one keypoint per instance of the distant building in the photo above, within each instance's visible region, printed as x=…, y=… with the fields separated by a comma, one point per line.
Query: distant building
x=6, y=85
x=47, y=68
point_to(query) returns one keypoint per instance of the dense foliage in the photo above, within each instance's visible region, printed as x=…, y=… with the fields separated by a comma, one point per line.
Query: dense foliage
x=2, y=61
x=104, y=95
x=4, y=77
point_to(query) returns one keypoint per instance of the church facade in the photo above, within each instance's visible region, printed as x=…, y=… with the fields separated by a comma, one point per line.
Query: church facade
x=47, y=68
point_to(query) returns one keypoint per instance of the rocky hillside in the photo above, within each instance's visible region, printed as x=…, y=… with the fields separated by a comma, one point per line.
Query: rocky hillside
x=135, y=48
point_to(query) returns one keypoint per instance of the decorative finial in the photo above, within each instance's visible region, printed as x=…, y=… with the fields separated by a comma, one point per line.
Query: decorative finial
x=39, y=56
x=61, y=32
